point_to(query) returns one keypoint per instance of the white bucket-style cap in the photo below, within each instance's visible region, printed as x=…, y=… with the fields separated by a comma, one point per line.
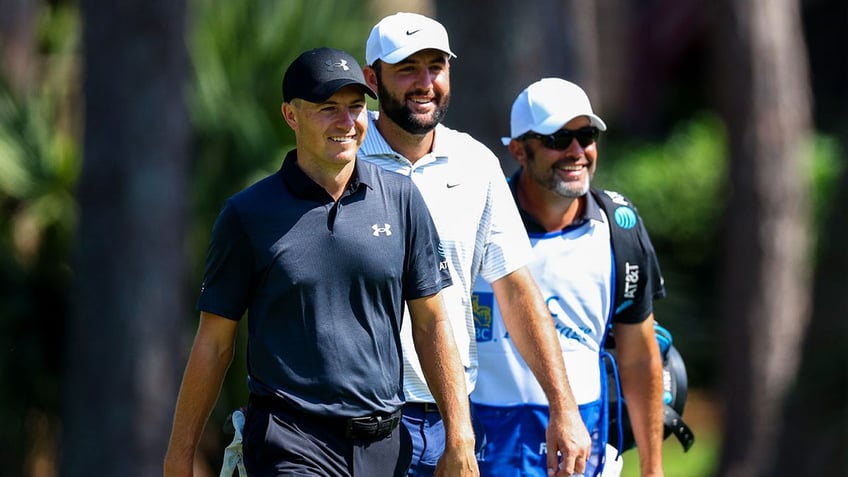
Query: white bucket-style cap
x=547, y=105
x=398, y=36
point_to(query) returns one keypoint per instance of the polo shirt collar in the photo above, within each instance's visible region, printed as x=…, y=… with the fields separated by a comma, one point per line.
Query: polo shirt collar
x=592, y=211
x=303, y=186
x=375, y=144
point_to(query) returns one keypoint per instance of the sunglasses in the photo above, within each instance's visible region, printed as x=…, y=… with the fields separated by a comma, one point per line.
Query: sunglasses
x=561, y=139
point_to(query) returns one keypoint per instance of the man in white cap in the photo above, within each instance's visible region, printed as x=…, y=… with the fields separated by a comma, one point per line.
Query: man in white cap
x=554, y=140
x=408, y=64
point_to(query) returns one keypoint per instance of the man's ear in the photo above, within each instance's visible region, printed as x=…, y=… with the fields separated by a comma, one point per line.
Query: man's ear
x=518, y=151
x=370, y=77
x=289, y=115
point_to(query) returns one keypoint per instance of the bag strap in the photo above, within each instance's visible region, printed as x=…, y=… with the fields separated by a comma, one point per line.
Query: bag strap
x=631, y=277
x=673, y=422
x=630, y=272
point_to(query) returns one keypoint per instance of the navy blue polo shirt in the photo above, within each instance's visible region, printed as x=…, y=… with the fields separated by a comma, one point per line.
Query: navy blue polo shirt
x=323, y=284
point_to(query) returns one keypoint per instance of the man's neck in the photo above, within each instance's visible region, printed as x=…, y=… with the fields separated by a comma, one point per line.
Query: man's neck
x=410, y=146
x=334, y=180
x=552, y=211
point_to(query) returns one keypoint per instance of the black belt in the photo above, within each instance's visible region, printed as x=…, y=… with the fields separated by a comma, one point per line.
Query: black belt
x=422, y=407
x=375, y=426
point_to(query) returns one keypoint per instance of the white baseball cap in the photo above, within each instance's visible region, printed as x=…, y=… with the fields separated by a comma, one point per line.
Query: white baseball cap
x=398, y=36
x=547, y=105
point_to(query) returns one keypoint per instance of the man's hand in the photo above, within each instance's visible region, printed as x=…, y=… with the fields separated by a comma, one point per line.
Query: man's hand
x=211, y=355
x=568, y=439
x=457, y=461
x=528, y=322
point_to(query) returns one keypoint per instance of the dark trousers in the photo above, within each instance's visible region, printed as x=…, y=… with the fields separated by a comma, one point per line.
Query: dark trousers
x=282, y=442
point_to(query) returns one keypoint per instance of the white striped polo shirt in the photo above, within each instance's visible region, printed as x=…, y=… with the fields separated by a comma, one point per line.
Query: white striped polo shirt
x=478, y=225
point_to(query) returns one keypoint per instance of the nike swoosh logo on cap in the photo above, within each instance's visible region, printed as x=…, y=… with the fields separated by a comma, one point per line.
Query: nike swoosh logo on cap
x=412, y=32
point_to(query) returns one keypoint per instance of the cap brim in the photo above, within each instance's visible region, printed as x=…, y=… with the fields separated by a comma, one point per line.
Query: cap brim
x=597, y=122
x=554, y=123
x=324, y=91
x=403, y=53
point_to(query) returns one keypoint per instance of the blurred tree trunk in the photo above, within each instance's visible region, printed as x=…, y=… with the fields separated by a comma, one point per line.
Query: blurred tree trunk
x=817, y=412
x=18, y=43
x=816, y=419
x=128, y=328
x=765, y=290
x=502, y=46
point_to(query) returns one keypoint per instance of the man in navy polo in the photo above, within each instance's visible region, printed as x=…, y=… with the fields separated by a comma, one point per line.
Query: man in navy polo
x=323, y=255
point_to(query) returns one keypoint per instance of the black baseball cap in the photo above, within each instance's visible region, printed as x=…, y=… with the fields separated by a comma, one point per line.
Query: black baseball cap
x=317, y=74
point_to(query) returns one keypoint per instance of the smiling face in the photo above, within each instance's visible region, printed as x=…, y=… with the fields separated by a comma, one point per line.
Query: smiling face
x=329, y=133
x=567, y=173
x=415, y=92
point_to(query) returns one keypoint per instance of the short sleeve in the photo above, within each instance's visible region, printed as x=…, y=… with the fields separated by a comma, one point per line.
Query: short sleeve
x=427, y=270
x=506, y=245
x=654, y=288
x=229, y=268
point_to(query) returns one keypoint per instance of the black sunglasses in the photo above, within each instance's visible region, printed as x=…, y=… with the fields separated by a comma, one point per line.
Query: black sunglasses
x=561, y=139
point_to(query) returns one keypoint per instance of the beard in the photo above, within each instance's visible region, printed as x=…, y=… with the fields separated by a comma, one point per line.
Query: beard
x=548, y=179
x=397, y=110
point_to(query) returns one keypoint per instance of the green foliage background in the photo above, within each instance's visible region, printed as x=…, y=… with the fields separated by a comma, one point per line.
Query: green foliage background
x=679, y=184
x=39, y=165
x=238, y=52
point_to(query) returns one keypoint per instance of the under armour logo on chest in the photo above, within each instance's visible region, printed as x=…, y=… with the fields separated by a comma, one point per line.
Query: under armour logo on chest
x=386, y=229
